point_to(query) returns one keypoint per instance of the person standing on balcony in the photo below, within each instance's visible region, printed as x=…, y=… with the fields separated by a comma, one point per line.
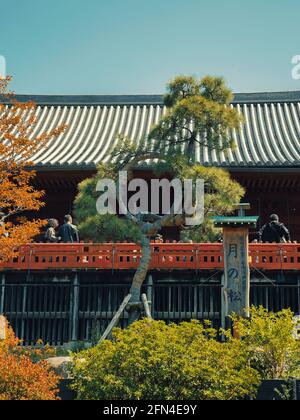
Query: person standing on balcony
x=68, y=232
x=274, y=231
x=50, y=235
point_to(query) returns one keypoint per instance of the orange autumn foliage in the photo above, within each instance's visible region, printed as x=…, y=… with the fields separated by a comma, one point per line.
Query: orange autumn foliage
x=20, y=377
x=18, y=145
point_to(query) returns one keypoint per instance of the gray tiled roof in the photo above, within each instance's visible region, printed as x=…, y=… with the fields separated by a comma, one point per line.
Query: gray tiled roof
x=270, y=137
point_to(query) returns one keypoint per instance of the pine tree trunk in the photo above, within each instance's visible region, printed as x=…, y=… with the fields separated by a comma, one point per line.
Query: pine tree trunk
x=138, y=280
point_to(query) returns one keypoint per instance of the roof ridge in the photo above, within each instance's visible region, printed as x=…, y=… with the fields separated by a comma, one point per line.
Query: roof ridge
x=140, y=99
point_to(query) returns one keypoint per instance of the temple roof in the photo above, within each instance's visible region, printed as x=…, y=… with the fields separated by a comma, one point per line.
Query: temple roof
x=270, y=137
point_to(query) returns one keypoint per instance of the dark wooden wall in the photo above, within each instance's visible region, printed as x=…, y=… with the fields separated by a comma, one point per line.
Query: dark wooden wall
x=268, y=192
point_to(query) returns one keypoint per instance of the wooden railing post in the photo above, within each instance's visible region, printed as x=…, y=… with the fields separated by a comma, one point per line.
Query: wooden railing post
x=150, y=294
x=146, y=306
x=74, y=308
x=24, y=304
x=2, y=293
x=2, y=319
x=224, y=302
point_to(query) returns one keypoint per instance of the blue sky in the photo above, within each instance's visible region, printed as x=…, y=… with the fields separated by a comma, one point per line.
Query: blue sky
x=136, y=46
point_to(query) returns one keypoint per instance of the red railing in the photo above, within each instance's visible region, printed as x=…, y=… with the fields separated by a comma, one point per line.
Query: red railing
x=275, y=257
x=167, y=256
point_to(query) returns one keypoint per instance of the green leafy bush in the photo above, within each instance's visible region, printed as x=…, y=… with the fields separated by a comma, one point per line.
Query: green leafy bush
x=275, y=353
x=151, y=360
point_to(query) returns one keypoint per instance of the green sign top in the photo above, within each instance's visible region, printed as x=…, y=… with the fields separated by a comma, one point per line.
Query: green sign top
x=235, y=221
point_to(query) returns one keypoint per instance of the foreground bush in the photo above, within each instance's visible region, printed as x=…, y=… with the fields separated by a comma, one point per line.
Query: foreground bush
x=20, y=377
x=274, y=350
x=151, y=360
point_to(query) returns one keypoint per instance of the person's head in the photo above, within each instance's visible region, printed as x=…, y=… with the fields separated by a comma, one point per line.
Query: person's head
x=68, y=219
x=53, y=223
x=159, y=238
x=274, y=218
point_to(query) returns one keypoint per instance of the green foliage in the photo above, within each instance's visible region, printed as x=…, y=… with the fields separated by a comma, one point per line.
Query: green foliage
x=275, y=353
x=107, y=228
x=152, y=360
x=286, y=392
x=198, y=113
x=85, y=202
x=206, y=233
x=222, y=193
x=101, y=228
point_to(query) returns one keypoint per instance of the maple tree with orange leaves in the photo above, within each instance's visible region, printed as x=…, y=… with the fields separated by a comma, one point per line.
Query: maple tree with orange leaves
x=18, y=144
x=21, y=377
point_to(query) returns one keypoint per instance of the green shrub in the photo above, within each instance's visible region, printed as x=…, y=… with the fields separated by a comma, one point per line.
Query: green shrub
x=275, y=353
x=151, y=360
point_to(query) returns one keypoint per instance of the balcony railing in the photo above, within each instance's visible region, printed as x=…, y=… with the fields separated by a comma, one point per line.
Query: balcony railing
x=167, y=256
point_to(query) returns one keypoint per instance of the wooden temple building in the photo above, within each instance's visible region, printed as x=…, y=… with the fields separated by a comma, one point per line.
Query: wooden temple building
x=266, y=160
x=63, y=293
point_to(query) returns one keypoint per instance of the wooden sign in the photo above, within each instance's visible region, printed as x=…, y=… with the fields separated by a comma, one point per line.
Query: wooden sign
x=237, y=272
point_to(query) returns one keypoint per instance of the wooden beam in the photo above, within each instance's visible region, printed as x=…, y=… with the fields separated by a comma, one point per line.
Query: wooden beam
x=146, y=306
x=115, y=319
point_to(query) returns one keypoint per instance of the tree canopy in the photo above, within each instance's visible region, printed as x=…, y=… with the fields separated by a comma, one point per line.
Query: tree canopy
x=221, y=194
x=198, y=114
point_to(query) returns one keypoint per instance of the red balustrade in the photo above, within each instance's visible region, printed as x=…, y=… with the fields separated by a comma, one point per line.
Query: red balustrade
x=275, y=257
x=167, y=256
